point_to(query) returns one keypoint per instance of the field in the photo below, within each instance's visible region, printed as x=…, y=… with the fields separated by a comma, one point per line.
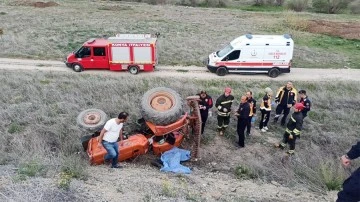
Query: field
x=188, y=34
x=42, y=157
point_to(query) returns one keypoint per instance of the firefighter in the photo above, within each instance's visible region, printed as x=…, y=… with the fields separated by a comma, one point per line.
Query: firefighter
x=223, y=105
x=243, y=117
x=351, y=186
x=252, y=103
x=305, y=101
x=265, y=108
x=285, y=98
x=205, y=103
x=293, y=129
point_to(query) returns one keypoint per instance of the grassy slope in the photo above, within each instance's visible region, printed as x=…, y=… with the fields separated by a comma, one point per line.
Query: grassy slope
x=39, y=134
x=188, y=34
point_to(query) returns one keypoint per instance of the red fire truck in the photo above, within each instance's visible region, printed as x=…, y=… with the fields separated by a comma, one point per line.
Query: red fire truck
x=131, y=52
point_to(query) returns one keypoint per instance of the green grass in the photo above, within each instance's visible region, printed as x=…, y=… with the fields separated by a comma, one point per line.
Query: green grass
x=335, y=45
x=261, y=8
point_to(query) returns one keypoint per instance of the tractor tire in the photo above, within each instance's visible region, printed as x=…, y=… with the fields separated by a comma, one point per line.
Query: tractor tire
x=91, y=120
x=161, y=106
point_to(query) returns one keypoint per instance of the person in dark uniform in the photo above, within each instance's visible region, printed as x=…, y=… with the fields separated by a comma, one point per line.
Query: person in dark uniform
x=205, y=104
x=285, y=98
x=223, y=105
x=243, y=116
x=252, y=103
x=293, y=129
x=351, y=186
x=304, y=99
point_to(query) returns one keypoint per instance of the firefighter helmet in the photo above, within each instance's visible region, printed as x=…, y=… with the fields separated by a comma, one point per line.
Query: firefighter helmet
x=299, y=106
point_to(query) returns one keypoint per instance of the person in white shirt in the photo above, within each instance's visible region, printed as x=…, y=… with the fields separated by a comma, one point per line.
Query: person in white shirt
x=109, y=136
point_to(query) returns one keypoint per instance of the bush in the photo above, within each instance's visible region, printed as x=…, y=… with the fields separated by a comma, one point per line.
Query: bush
x=293, y=21
x=355, y=7
x=215, y=3
x=329, y=6
x=297, y=5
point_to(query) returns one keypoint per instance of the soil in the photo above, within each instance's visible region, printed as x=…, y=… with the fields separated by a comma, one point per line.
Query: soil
x=38, y=4
x=346, y=30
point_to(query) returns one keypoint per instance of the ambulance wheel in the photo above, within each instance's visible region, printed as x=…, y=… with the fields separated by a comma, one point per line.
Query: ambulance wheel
x=274, y=72
x=134, y=69
x=221, y=71
x=77, y=67
x=161, y=106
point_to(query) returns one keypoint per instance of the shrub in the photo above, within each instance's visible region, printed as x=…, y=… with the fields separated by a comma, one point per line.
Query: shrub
x=15, y=128
x=329, y=6
x=355, y=7
x=297, y=5
x=294, y=21
x=244, y=172
x=216, y=3
x=279, y=2
x=73, y=166
x=31, y=169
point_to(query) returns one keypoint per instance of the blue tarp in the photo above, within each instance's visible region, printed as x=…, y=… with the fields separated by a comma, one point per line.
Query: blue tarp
x=171, y=160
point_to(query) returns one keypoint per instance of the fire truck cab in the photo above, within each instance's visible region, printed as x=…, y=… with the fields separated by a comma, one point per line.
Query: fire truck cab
x=130, y=52
x=271, y=54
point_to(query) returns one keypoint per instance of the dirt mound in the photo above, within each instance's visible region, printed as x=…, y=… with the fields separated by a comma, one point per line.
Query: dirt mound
x=38, y=4
x=346, y=30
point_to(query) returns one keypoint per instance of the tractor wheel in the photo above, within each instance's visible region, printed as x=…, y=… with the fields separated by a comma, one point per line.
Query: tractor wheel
x=91, y=120
x=77, y=67
x=161, y=106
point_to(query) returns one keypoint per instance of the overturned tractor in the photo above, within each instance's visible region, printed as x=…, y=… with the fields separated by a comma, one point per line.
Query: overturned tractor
x=163, y=125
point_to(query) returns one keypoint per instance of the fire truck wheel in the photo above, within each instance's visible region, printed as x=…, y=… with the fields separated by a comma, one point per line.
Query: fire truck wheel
x=274, y=72
x=91, y=120
x=77, y=67
x=221, y=71
x=161, y=106
x=133, y=69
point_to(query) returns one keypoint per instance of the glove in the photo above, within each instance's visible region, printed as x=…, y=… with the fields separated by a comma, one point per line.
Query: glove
x=225, y=110
x=219, y=107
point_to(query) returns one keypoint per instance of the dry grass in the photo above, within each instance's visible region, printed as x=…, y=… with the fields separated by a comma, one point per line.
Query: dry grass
x=188, y=34
x=48, y=143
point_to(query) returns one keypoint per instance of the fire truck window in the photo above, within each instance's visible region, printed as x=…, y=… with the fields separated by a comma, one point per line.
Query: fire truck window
x=233, y=55
x=84, y=52
x=99, y=51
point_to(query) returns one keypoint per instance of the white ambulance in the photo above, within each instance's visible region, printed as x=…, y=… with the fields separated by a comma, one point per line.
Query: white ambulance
x=271, y=54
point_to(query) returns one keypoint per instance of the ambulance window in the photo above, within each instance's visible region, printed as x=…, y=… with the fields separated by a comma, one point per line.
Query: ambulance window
x=224, y=51
x=99, y=51
x=233, y=55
